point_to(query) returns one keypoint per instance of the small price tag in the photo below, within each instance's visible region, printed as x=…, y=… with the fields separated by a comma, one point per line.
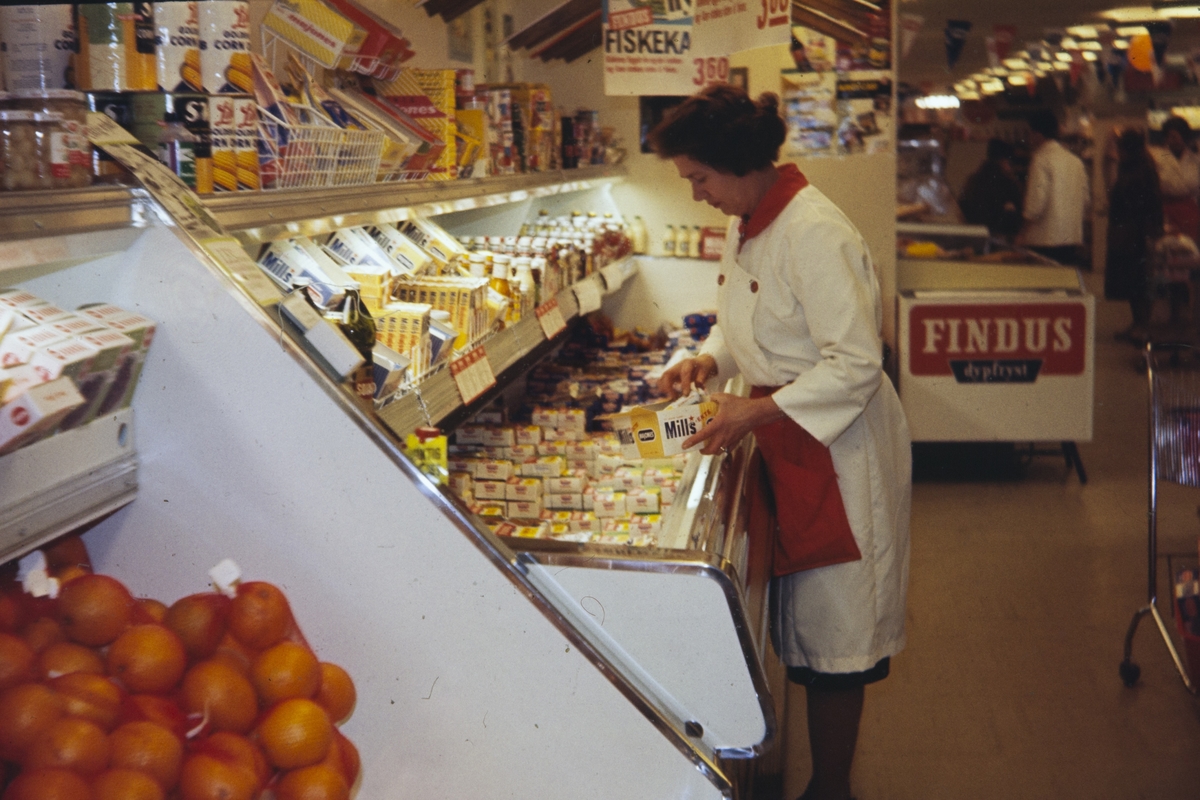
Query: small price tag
x=102, y=130
x=473, y=374
x=587, y=293
x=551, y=318
x=227, y=252
x=614, y=276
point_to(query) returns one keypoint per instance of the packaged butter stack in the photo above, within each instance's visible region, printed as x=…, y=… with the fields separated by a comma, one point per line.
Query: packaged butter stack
x=408, y=258
x=660, y=429
x=36, y=412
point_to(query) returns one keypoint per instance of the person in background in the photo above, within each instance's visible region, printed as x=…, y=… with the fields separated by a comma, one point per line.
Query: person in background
x=1057, y=194
x=800, y=316
x=993, y=195
x=1135, y=220
x=1179, y=177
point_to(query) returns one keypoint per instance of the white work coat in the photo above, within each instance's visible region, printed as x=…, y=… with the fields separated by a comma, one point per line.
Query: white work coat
x=1057, y=197
x=799, y=308
x=1177, y=177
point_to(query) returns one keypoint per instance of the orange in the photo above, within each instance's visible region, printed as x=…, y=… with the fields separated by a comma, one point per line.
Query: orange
x=259, y=616
x=236, y=749
x=284, y=671
x=43, y=632
x=150, y=748
x=10, y=615
x=125, y=784
x=234, y=653
x=68, y=551
x=337, y=694
x=16, y=661
x=70, y=743
x=26, y=711
x=343, y=756
x=62, y=658
x=94, y=609
x=295, y=733
x=318, y=782
x=217, y=689
x=68, y=574
x=148, y=659
x=206, y=777
x=154, y=609
x=199, y=621
x=152, y=708
x=91, y=697
x=48, y=784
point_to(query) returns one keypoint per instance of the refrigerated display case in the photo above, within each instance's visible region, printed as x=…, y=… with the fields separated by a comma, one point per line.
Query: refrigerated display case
x=483, y=664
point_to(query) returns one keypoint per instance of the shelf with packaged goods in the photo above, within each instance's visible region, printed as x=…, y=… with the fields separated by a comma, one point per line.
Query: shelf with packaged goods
x=65, y=481
x=510, y=352
x=261, y=217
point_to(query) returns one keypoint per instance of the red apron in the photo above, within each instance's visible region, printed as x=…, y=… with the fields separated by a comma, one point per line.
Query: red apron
x=1184, y=214
x=813, y=530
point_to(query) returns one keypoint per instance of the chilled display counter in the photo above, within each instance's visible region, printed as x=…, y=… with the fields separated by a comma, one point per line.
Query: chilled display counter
x=484, y=664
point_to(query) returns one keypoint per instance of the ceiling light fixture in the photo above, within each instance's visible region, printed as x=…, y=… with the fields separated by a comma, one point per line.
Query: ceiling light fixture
x=1084, y=31
x=991, y=87
x=1018, y=80
x=1062, y=66
x=1120, y=44
x=938, y=102
x=1088, y=55
x=1093, y=46
x=1129, y=31
x=1015, y=63
x=1067, y=57
x=1177, y=9
x=965, y=96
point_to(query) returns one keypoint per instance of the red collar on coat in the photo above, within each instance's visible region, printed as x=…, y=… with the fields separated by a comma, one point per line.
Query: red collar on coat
x=791, y=181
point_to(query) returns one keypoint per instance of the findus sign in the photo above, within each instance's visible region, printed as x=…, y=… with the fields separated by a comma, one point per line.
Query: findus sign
x=994, y=343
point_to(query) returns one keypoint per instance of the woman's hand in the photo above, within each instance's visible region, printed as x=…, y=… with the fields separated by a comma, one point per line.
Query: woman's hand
x=678, y=379
x=736, y=417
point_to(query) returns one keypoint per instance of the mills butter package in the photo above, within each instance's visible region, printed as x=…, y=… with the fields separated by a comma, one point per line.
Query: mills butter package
x=659, y=430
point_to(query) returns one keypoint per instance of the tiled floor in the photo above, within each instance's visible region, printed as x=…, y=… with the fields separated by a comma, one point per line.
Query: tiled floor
x=1020, y=596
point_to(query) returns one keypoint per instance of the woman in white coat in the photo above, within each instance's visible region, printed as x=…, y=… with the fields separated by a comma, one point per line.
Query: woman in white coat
x=799, y=316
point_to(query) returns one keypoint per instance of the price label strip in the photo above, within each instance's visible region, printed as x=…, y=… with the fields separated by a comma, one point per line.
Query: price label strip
x=614, y=276
x=587, y=293
x=550, y=317
x=228, y=253
x=473, y=375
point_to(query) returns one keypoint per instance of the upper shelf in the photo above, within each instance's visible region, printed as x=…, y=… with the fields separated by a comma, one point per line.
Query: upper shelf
x=267, y=216
x=28, y=215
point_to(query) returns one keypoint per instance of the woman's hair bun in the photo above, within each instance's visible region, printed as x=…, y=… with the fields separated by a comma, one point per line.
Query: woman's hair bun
x=769, y=102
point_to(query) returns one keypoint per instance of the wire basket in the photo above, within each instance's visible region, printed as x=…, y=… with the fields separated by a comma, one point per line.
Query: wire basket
x=315, y=155
x=1175, y=404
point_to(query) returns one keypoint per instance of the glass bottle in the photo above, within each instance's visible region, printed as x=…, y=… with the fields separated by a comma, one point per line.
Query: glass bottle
x=668, y=243
x=683, y=242
x=694, y=241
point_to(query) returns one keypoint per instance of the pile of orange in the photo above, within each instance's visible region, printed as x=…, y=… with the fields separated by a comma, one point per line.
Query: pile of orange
x=107, y=697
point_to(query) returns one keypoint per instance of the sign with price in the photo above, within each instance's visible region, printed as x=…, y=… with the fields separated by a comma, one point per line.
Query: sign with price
x=550, y=317
x=677, y=47
x=473, y=375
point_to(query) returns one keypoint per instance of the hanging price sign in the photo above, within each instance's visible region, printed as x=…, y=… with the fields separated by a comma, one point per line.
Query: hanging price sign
x=587, y=294
x=473, y=375
x=551, y=318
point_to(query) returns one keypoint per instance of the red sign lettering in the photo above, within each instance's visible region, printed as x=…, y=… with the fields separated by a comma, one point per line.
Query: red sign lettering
x=1054, y=333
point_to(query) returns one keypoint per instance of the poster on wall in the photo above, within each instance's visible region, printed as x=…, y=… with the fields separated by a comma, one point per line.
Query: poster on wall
x=837, y=113
x=677, y=47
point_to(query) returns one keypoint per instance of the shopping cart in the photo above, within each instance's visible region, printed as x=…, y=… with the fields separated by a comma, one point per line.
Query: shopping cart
x=1173, y=371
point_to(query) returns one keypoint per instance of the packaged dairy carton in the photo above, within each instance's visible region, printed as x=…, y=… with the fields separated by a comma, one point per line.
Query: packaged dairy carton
x=653, y=476
x=528, y=434
x=520, y=452
x=582, y=465
x=566, y=484
x=44, y=313
x=553, y=448
x=567, y=435
x=573, y=419
x=628, y=477
x=524, y=509
x=544, y=467
x=490, y=490
x=540, y=531
x=37, y=412
x=17, y=347
x=16, y=381
x=610, y=504
x=585, y=521
x=18, y=299
x=523, y=489
x=667, y=491
x=647, y=524
x=490, y=416
x=660, y=429
x=582, y=449
x=119, y=362
x=607, y=465
x=405, y=255
x=486, y=510
x=469, y=433
x=461, y=483
x=502, y=436
x=645, y=501
x=606, y=483
x=572, y=501
x=545, y=418
x=77, y=325
x=494, y=470
x=288, y=259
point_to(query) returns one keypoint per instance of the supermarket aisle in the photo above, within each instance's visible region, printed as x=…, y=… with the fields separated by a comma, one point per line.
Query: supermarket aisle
x=1020, y=596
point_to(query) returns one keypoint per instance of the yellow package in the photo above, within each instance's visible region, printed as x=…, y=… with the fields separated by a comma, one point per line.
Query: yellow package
x=315, y=29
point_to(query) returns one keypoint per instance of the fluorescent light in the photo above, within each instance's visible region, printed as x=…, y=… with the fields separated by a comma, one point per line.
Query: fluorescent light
x=964, y=96
x=1069, y=44
x=938, y=101
x=1045, y=66
x=1016, y=63
x=1084, y=31
x=1120, y=44
x=1093, y=46
x=1061, y=66
x=991, y=87
x=1067, y=57
x=1129, y=31
x=1018, y=80
x=1088, y=55
x=998, y=72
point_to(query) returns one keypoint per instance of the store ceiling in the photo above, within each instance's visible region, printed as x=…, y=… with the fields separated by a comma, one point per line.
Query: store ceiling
x=926, y=62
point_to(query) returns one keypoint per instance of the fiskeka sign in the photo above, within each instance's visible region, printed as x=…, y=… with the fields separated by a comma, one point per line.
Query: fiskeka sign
x=677, y=47
x=1008, y=343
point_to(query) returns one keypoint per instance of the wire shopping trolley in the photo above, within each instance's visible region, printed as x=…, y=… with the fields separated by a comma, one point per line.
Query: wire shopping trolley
x=1173, y=371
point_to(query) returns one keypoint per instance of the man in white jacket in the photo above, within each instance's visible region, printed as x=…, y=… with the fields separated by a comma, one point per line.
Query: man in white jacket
x=1057, y=194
